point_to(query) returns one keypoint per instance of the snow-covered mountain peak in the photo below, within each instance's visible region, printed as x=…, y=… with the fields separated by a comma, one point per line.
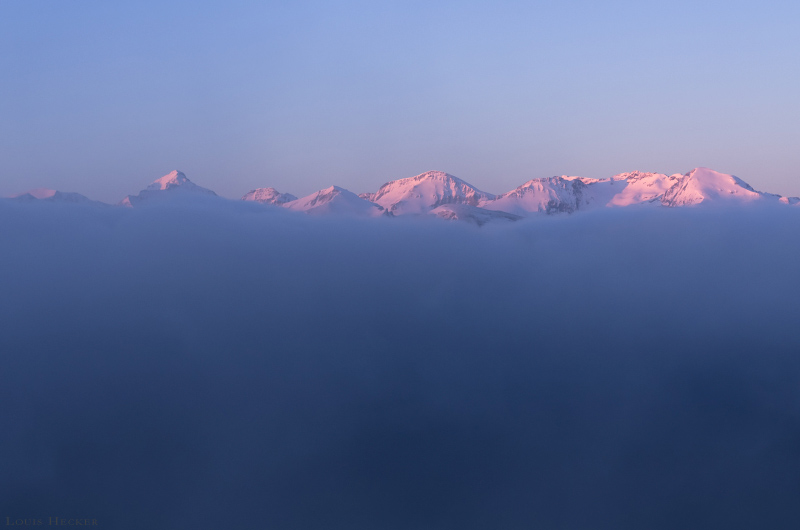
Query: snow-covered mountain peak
x=722, y=179
x=438, y=178
x=545, y=195
x=424, y=192
x=172, y=184
x=170, y=180
x=328, y=194
x=336, y=200
x=703, y=184
x=268, y=196
x=433, y=175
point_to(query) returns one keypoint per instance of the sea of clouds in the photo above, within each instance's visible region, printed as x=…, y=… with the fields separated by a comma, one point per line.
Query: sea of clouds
x=213, y=364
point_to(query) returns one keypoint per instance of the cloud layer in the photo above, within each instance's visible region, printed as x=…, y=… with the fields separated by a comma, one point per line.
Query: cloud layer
x=212, y=364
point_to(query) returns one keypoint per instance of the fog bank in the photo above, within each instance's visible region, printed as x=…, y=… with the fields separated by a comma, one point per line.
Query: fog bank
x=231, y=365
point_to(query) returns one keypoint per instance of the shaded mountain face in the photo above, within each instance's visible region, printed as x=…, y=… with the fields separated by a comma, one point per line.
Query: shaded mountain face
x=170, y=185
x=44, y=194
x=268, y=196
x=424, y=192
x=472, y=214
x=335, y=200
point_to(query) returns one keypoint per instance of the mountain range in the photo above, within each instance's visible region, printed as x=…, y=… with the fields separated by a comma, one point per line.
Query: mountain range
x=448, y=197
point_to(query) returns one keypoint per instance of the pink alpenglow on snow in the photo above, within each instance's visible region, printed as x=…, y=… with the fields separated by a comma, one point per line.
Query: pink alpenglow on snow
x=545, y=195
x=170, y=180
x=268, y=196
x=639, y=187
x=439, y=194
x=420, y=194
x=170, y=185
x=336, y=200
x=703, y=184
x=635, y=189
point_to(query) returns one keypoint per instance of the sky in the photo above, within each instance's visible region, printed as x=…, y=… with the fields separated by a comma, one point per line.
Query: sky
x=101, y=98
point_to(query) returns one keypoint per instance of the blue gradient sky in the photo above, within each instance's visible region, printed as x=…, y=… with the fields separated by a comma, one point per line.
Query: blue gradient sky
x=103, y=97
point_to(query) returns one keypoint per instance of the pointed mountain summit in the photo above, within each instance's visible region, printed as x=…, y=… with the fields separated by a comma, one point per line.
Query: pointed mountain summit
x=170, y=180
x=173, y=184
x=424, y=192
x=268, y=196
x=335, y=200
